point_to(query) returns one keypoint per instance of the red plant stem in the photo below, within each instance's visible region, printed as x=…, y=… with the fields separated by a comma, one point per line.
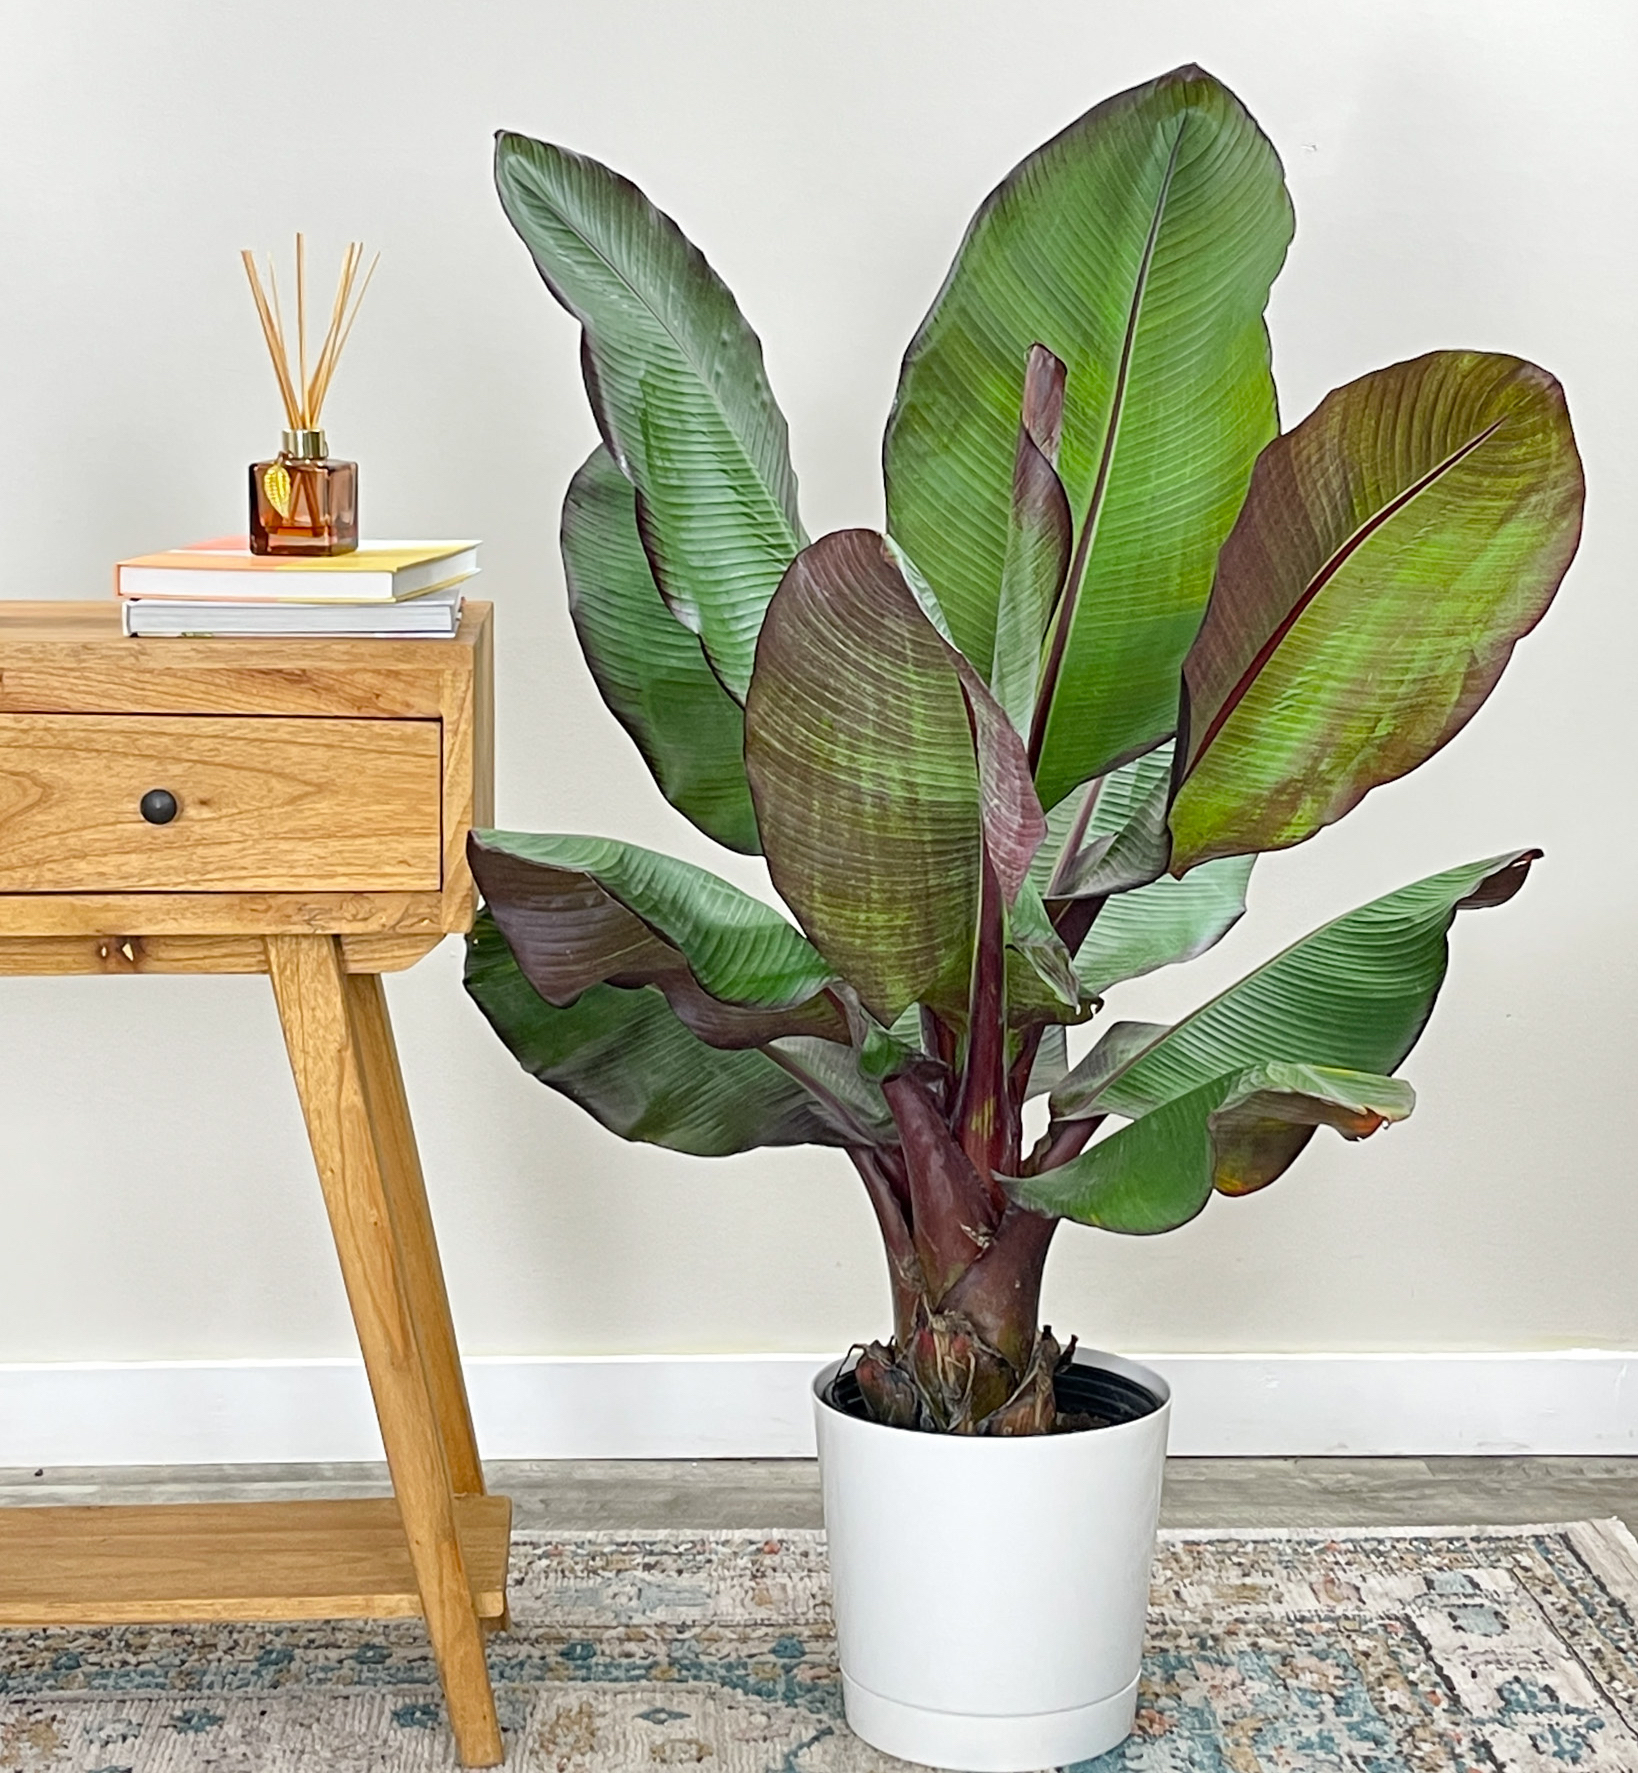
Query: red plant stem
x=903, y=1269
x=1062, y=1140
x=1029, y=1045
x=890, y=1159
x=984, y=1120
x=939, y=1038
x=1000, y=1294
x=951, y=1215
x=1074, y=922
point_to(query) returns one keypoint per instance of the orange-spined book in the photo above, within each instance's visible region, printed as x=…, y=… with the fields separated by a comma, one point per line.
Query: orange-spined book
x=225, y=571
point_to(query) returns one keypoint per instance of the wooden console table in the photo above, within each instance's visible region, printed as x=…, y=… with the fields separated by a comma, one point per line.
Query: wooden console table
x=297, y=808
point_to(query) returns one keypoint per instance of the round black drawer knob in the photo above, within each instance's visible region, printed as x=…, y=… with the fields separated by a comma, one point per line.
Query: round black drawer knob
x=158, y=806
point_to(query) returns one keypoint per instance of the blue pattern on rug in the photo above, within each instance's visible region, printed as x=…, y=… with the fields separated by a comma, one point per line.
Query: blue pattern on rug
x=1497, y=1651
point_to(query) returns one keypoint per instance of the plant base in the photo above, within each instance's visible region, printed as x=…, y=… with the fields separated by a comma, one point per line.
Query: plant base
x=989, y=1745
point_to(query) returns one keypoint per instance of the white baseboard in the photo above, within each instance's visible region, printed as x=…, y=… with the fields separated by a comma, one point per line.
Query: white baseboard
x=1580, y=1401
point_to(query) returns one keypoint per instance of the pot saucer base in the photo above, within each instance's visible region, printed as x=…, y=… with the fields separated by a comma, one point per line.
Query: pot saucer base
x=979, y=1744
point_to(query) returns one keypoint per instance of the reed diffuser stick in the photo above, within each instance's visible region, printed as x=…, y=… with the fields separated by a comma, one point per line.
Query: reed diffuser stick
x=347, y=329
x=335, y=310
x=303, y=393
x=275, y=344
x=301, y=322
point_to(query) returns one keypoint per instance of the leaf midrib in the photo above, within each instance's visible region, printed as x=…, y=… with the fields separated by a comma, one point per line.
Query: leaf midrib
x=1068, y=602
x=1339, y=557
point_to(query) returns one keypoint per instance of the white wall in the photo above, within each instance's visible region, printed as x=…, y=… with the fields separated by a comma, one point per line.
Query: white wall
x=1464, y=173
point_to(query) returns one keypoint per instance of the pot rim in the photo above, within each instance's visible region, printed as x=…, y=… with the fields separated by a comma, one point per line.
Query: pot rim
x=1088, y=1357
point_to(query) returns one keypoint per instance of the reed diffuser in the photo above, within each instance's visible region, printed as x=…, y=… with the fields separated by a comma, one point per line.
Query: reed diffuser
x=302, y=502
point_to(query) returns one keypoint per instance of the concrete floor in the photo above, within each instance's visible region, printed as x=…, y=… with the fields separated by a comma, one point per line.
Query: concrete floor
x=575, y=1493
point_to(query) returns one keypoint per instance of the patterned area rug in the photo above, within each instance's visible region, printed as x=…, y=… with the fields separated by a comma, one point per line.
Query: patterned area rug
x=1485, y=1651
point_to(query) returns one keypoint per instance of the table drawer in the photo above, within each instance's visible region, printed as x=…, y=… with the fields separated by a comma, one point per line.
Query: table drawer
x=268, y=804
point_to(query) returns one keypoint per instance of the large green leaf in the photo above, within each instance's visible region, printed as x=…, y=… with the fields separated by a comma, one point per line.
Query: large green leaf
x=1138, y=246
x=649, y=668
x=625, y=1058
x=676, y=379
x=1354, y=995
x=1235, y=1133
x=585, y=911
x=1163, y=923
x=1392, y=549
x=882, y=773
x=1011, y=818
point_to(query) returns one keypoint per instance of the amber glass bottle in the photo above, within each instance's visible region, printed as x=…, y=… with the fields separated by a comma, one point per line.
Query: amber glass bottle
x=301, y=502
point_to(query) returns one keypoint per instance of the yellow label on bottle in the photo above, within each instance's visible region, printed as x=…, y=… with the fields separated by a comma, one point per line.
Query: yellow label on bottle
x=276, y=484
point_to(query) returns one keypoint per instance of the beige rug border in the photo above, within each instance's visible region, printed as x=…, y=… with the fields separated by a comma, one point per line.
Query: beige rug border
x=1604, y=1543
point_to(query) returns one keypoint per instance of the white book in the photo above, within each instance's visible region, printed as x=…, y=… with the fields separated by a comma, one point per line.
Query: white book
x=433, y=616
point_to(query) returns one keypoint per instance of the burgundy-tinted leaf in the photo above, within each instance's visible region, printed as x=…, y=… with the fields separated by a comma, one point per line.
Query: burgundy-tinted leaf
x=1392, y=550
x=881, y=768
x=570, y=930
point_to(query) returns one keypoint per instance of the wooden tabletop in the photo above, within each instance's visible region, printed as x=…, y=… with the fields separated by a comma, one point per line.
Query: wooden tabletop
x=72, y=658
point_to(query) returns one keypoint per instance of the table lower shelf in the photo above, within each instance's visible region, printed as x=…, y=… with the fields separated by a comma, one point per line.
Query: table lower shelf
x=233, y=1560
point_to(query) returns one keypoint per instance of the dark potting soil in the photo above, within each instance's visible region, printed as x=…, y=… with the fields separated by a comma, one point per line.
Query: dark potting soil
x=1088, y=1397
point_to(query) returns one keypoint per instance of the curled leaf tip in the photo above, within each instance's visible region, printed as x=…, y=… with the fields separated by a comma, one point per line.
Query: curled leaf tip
x=1498, y=888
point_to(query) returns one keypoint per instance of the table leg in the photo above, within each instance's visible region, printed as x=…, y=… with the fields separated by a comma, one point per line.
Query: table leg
x=326, y=1046
x=417, y=1242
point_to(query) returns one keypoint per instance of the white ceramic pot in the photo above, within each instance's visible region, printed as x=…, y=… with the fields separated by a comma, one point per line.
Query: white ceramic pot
x=990, y=1594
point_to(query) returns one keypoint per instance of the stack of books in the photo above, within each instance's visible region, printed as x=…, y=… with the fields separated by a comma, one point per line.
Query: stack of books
x=399, y=590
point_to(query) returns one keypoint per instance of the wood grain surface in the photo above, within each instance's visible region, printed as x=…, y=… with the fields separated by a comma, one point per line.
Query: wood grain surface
x=34, y=957
x=420, y=1267
x=314, y=805
x=61, y=659
x=385, y=1292
x=119, y=916
x=65, y=658
x=325, y=790
x=310, y=1559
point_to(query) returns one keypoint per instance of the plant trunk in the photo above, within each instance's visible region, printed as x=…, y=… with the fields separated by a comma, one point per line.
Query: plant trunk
x=967, y=1355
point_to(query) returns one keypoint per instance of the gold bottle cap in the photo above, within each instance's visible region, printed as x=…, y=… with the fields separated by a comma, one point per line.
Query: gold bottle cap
x=306, y=446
